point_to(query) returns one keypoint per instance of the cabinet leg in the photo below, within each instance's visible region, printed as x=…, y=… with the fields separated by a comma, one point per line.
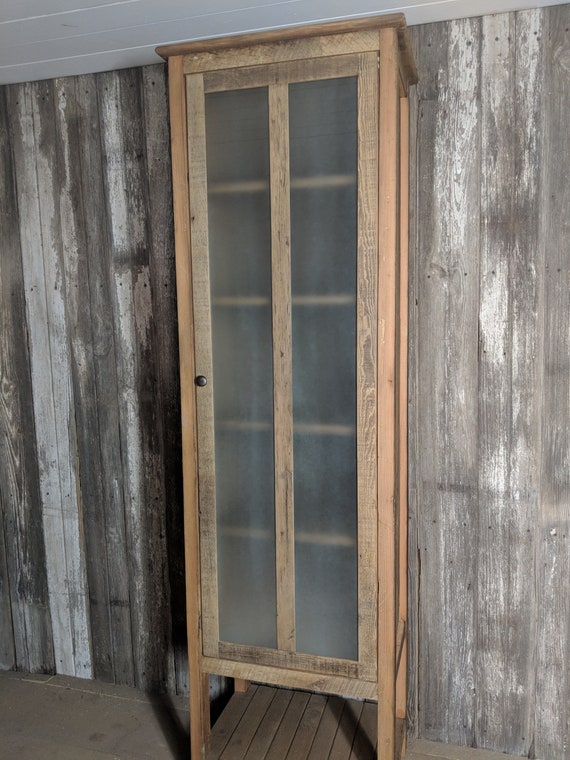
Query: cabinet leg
x=200, y=717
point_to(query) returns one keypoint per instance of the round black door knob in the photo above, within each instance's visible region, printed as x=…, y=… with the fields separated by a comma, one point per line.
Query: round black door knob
x=201, y=381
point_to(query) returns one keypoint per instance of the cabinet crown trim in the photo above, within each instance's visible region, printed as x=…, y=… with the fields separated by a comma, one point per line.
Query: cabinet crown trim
x=396, y=21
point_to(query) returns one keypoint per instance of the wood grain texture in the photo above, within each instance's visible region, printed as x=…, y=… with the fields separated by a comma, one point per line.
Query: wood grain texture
x=35, y=158
x=401, y=682
x=282, y=52
x=413, y=559
x=69, y=95
x=79, y=189
x=489, y=459
x=163, y=282
x=367, y=359
x=298, y=679
x=510, y=322
x=282, y=331
x=98, y=415
x=387, y=368
x=25, y=625
x=447, y=263
x=202, y=343
x=338, y=29
x=552, y=731
x=127, y=192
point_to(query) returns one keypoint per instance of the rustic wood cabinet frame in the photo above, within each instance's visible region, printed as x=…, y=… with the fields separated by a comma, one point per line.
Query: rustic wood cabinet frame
x=377, y=51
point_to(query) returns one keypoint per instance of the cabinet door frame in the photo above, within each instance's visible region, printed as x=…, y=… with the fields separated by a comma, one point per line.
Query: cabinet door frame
x=277, y=77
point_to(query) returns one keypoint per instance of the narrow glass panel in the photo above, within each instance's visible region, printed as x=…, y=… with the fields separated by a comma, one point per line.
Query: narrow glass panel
x=323, y=129
x=240, y=274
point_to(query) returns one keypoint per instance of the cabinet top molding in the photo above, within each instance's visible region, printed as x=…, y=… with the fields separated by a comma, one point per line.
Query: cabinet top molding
x=396, y=21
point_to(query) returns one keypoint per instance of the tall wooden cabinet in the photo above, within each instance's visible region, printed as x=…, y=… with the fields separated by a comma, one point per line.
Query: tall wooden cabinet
x=289, y=155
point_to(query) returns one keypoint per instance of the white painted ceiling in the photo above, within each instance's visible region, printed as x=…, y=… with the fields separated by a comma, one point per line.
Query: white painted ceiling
x=41, y=39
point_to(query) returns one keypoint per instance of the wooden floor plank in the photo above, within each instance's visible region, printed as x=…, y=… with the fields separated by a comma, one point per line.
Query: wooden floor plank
x=364, y=745
x=280, y=746
x=228, y=722
x=267, y=723
x=268, y=727
x=345, y=735
x=328, y=727
x=308, y=726
x=241, y=738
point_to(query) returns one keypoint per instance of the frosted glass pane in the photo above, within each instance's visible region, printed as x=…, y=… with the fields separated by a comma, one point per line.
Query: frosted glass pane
x=323, y=124
x=240, y=275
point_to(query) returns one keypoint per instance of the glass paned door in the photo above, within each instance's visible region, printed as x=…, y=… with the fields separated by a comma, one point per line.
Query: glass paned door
x=284, y=283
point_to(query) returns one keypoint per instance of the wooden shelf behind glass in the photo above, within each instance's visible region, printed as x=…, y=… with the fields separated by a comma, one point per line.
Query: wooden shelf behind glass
x=297, y=183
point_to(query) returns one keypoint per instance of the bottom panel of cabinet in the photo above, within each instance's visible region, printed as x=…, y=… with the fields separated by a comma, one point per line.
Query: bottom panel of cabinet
x=267, y=722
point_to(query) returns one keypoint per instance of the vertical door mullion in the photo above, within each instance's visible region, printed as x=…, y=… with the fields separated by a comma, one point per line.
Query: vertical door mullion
x=282, y=363
x=366, y=359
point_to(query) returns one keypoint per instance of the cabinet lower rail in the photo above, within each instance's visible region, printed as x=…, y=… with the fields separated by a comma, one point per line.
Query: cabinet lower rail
x=330, y=684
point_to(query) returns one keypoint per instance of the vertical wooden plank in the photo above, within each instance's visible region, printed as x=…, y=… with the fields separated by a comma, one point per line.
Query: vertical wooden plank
x=447, y=366
x=198, y=210
x=553, y=553
x=509, y=380
x=69, y=133
x=412, y=639
x=401, y=682
x=162, y=268
x=282, y=363
x=97, y=407
x=40, y=231
x=199, y=706
x=387, y=388
x=366, y=358
x=126, y=199
x=25, y=625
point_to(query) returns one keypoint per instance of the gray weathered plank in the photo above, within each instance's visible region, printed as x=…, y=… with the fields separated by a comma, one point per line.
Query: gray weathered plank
x=34, y=147
x=413, y=411
x=104, y=521
x=127, y=192
x=70, y=131
x=447, y=329
x=25, y=626
x=552, y=738
x=162, y=272
x=509, y=380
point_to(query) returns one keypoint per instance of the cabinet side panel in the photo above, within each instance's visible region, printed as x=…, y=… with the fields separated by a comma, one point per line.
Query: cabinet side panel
x=387, y=377
x=199, y=720
x=403, y=406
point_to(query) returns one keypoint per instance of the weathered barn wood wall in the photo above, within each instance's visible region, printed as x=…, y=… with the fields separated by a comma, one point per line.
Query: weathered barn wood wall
x=91, y=556
x=490, y=384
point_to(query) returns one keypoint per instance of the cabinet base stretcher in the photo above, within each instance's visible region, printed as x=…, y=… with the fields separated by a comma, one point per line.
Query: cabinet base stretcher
x=265, y=722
